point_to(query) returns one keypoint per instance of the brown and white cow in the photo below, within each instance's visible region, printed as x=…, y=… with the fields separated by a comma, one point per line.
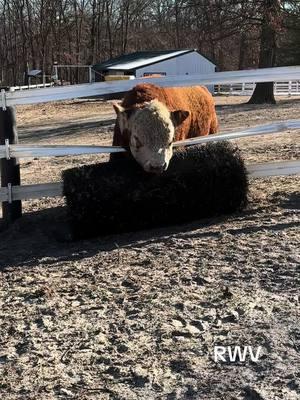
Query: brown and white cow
x=150, y=118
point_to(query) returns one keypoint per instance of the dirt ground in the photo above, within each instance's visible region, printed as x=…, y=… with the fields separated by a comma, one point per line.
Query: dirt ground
x=137, y=316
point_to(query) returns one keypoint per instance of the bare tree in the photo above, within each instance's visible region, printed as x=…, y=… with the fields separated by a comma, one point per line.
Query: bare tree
x=35, y=33
x=271, y=24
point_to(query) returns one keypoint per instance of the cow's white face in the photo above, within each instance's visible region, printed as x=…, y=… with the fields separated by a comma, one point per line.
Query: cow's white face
x=152, y=132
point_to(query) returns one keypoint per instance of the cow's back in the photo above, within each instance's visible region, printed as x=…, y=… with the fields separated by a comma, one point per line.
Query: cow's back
x=197, y=100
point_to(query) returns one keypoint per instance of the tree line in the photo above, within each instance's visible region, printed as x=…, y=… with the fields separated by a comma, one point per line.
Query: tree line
x=35, y=34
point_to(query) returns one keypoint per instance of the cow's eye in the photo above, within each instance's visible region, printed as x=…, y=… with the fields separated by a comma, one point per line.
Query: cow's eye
x=138, y=143
x=170, y=143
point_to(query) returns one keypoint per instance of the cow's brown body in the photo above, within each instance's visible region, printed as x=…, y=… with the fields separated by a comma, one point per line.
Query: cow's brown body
x=202, y=119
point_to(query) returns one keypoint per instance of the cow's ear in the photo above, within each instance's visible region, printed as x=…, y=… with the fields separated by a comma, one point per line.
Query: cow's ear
x=118, y=108
x=126, y=112
x=179, y=116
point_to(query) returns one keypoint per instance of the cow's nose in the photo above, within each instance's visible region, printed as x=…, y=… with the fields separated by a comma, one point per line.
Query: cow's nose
x=157, y=169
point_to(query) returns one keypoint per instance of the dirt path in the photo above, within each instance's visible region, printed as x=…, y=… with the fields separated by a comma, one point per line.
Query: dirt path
x=137, y=316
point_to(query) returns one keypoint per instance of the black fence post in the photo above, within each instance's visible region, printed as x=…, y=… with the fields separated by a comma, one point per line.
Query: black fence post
x=10, y=168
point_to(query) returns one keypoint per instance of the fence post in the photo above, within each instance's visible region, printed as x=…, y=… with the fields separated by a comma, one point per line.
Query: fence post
x=10, y=168
x=290, y=88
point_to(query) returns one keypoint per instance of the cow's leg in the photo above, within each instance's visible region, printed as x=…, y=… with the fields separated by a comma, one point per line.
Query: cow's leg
x=214, y=125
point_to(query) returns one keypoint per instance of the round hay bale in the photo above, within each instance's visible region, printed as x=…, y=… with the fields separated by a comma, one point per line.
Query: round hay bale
x=119, y=196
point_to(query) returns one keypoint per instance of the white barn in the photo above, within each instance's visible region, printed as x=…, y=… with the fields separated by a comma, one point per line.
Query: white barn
x=166, y=62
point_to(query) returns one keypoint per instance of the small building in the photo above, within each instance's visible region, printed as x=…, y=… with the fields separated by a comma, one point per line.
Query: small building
x=156, y=63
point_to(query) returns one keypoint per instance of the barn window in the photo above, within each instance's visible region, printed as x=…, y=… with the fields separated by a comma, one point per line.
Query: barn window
x=156, y=74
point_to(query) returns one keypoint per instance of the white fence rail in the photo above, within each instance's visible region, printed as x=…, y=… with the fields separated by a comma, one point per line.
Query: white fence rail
x=25, y=151
x=104, y=88
x=55, y=189
x=26, y=192
x=290, y=88
x=278, y=168
x=28, y=87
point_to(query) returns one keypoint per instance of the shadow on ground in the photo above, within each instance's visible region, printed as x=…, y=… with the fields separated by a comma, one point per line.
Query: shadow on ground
x=46, y=233
x=61, y=131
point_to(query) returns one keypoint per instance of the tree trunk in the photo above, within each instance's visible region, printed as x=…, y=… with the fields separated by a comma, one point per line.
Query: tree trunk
x=264, y=91
x=242, y=52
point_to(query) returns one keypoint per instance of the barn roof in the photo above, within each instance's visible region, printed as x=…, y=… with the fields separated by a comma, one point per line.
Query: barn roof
x=34, y=72
x=139, y=59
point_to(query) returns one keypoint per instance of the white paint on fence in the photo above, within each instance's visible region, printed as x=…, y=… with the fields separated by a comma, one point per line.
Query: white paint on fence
x=28, y=87
x=290, y=88
x=103, y=88
x=278, y=168
x=26, y=192
x=25, y=151
x=254, y=131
